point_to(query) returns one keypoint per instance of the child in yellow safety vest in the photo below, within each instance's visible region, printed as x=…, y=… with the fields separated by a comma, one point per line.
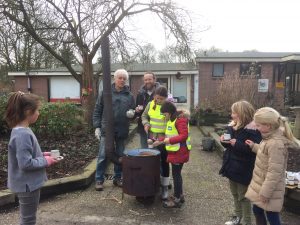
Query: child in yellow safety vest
x=178, y=146
x=155, y=124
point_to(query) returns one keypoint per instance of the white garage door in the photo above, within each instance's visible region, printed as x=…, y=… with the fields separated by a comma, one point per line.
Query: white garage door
x=64, y=88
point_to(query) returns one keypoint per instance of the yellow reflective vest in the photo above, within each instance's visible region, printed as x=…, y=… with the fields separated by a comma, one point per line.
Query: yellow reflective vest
x=157, y=119
x=171, y=131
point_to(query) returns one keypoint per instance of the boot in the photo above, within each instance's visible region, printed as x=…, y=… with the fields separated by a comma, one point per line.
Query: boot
x=164, y=187
x=260, y=220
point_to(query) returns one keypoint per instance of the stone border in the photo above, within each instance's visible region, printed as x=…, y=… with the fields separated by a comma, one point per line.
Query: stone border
x=65, y=184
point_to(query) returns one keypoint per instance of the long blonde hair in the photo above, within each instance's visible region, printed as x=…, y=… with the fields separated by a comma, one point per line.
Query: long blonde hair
x=245, y=112
x=270, y=116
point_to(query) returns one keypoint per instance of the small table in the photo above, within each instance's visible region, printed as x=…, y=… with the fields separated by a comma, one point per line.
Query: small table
x=296, y=131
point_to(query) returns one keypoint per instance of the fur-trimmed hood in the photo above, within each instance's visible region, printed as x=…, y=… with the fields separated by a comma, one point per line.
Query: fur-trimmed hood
x=184, y=113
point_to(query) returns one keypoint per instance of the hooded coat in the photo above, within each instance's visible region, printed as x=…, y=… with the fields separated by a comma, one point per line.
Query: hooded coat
x=238, y=160
x=181, y=124
x=122, y=101
x=269, y=172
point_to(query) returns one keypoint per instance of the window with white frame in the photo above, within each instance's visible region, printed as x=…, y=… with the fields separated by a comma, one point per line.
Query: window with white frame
x=218, y=70
x=180, y=90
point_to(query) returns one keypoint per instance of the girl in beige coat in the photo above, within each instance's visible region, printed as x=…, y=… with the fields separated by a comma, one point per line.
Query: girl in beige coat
x=266, y=189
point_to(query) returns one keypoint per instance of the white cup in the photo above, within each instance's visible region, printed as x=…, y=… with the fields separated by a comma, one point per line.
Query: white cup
x=227, y=137
x=150, y=143
x=140, y=107
x=54, y=153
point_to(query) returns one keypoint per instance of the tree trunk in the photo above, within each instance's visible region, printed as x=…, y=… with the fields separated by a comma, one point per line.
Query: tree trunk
x=87, y=93
x=107, y=98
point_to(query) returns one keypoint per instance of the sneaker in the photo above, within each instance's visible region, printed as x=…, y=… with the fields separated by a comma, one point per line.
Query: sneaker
x=182, y=199
x=99, y=186
x=235, y=220
x=118, y=182
x=172, y=203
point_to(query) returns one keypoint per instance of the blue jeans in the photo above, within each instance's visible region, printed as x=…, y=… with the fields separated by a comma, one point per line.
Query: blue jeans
x=102, y=160
x=273, y=217
x=143, y=139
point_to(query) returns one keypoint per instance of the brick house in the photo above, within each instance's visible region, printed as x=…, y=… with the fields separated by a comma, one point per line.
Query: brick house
x=280, y=71
x=58, y=84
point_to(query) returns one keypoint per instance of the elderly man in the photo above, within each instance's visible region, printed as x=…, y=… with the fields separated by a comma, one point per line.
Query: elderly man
x=144, y=96
x=122, y=101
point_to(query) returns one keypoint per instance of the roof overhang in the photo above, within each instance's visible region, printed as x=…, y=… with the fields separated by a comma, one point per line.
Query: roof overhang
x=237, y=59
x=135, y=73
x=295, y=57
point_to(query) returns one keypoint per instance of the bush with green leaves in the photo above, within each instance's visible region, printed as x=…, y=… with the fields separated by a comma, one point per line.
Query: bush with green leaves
x=3, y=125
x=58, y=119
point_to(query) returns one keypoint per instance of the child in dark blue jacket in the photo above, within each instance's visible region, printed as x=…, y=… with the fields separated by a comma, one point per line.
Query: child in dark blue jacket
x=238, y=159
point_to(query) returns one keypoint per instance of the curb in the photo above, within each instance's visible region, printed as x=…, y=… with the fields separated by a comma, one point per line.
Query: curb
x=65, y=184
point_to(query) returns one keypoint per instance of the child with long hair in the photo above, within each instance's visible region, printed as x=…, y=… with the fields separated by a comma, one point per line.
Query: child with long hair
x=238, y=159
x=178, y=146
x=155, y=125
x=26, y=161
x=267, y=187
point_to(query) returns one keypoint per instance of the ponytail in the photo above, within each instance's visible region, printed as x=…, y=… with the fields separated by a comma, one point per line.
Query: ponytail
x=18, y=106
x=283, y=121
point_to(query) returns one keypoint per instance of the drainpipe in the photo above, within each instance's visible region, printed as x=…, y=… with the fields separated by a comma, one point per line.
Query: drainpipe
x=28, y=82
x=107, y=98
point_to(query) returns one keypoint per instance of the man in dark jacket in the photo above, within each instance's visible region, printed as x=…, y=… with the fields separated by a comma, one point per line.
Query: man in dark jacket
x=144, y=96
x=122, y=101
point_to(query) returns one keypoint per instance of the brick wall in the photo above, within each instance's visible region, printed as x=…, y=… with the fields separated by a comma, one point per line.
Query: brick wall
x=208, y=84
x=39, y=86
x=135, y=84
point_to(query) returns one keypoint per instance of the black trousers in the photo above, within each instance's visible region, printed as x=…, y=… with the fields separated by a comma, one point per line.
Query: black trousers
x=165, y=168
x=177, y=179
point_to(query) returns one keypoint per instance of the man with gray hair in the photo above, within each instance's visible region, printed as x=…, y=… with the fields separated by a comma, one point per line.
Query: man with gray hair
x=122, y=101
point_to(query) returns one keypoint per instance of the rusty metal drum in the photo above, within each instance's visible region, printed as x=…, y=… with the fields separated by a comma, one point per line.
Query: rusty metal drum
x=141, y=172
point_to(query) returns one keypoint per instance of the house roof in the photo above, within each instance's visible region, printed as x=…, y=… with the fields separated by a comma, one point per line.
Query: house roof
x=133, y=69
x=248, y=57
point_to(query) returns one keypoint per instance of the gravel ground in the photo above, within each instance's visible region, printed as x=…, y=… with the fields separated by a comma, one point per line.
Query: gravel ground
x=208, y=200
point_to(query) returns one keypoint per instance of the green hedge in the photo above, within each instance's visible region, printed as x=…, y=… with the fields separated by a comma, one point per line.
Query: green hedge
x=56, y=119
x=3, y=125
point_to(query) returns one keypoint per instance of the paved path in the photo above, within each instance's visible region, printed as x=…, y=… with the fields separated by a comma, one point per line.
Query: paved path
x=208, y=200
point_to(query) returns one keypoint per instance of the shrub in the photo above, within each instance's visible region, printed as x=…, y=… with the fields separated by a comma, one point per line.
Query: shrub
x=3, y=125
x=58, y=119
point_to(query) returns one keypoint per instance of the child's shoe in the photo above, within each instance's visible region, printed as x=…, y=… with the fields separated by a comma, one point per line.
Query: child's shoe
x=182, y=199
x=235, y=220
x=172, y=203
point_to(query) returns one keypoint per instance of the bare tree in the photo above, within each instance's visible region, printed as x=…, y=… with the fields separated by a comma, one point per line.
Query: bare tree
x=235, y=87
x=146, y=54
x=84, y=23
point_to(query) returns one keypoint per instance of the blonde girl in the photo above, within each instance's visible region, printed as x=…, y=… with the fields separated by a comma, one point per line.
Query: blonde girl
x=238, y=159
x=266, y=190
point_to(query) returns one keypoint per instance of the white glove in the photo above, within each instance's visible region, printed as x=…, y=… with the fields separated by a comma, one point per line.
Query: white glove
x=130, y=113
x=98, y=133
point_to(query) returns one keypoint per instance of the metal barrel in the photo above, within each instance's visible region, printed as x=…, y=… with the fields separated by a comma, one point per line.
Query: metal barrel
x=141, y=172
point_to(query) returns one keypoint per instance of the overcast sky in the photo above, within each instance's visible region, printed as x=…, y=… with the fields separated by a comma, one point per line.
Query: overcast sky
x=238, y=25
